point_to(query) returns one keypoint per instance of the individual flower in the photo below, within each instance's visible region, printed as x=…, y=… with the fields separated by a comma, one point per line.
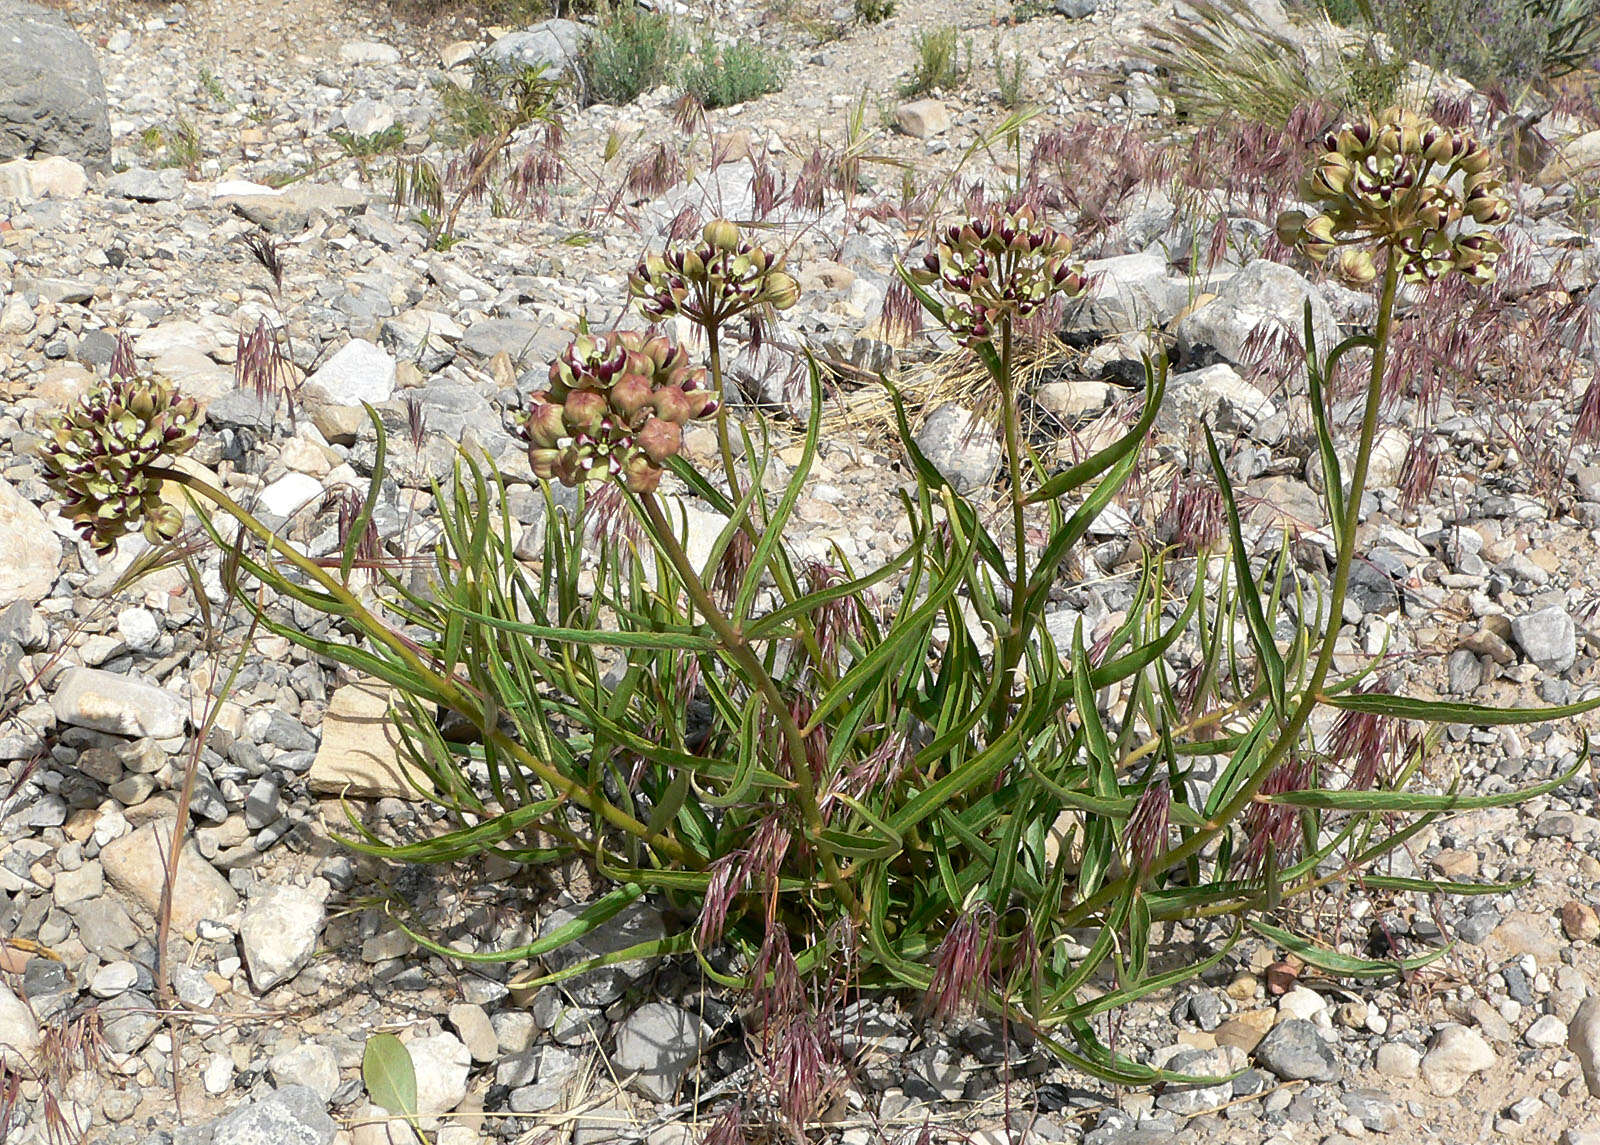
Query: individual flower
x=1402, y=182
x=99, y=456
x=615, y=406
x=996, y=268
x=723, y=277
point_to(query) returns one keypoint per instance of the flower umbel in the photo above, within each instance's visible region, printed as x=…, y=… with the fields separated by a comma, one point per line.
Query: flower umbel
x=722, y=278
x=99, y=455
x=616, y=406
x=1408, y=185
x=996, y=267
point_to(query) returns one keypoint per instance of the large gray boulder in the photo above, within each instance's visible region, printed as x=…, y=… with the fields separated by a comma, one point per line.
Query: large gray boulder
x=551, y=44
x=52, y=99
x=1263, y=301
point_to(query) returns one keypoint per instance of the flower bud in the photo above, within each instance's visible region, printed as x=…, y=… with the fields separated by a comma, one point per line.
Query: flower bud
x=639, y=474
x=1356, y=265
x=780, y=290
x=721, y=235
x=543, y=462
x=545, y=424
x=672, y=404
x=631, y=397
x=162, y=523
x=1330, y=178
x=1475, y=159
x=583, y=412
x=1291, y=227
x=660, y=439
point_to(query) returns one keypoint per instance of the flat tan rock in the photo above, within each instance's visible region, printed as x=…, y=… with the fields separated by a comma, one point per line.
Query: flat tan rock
x=136, y=865
x=359, y=756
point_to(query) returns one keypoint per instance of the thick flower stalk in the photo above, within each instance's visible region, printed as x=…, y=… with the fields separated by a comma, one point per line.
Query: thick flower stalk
x=1401, y=182
x=1003, y=266
x=720, y=279
x=723, y=278
x=100, y=455
x=616, y=406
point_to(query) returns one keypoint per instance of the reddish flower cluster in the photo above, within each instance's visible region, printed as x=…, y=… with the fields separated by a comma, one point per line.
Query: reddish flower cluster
x=997, y=267
x=615, y=406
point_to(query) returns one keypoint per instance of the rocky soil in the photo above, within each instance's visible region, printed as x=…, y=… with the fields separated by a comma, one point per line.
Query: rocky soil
x=285, y=959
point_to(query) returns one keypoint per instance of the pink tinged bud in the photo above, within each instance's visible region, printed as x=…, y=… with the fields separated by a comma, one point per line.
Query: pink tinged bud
x=639, y=474
x=674, y=405
x=545, y=424
x=583, y=412
x=631, y=397
x=659, y=439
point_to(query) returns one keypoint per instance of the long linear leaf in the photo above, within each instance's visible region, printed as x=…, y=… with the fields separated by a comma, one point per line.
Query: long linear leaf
x=1442, y=712
x=903, y=632
x=1343, y=964
x=1260, y=632
x=1094, y=465
x=1416, y=802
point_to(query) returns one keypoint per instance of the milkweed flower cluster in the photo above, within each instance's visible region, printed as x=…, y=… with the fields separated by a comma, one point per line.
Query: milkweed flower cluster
x=1402, y=182
x=725, y=276
x=998, y=266
x=616, y=406
x=99, y=456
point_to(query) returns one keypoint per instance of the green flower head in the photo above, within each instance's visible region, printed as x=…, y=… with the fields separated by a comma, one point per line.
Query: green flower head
x=1401, y=182
x=992, y=269
x=99, y=455
x=723, y=277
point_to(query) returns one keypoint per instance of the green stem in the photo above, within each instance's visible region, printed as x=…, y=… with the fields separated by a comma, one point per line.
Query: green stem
x=739, y=649
x=1009, y=648
x=1311, y=695
x=789, y=590
x=1013, y=436
x=724, y=437
x=447, y=688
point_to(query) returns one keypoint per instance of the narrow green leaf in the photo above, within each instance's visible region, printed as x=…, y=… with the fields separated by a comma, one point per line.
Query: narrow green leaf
x=904, y=631
x=773, y=530
x=1415, y=802
x=1138, y=941
x=1091, y=467
x=1441, y=712
x=358, y=528
x=1443, y=887
x=1333, y=475
x=1119, y=998
x=1260, y=632
x=602, y=910
x=669, y=806
x=1332, y=961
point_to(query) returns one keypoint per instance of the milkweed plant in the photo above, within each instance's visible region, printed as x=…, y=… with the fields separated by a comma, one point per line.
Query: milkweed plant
x=902, y=769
